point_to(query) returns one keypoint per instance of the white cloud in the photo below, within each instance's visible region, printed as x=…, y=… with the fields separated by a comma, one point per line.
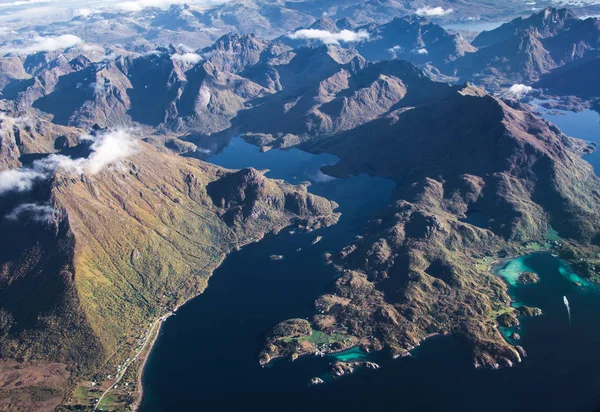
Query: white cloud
x=433, y=11
x=7, y=123
x=327, y=37
x=422, y=51
x=518, y=91
x=19, y=180
x=320, y=177
x=106, y=148
x=34, y=212
x=109, y=148
x=138, y=5
x=20, y=3
x=83, y=12
x=99, y=89
x=187, y=58
x=44, y=44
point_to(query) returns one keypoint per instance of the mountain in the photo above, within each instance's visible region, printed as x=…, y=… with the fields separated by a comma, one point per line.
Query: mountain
x=415, y=39
x=414, y=272
x=23, y=136
x=520, y=59
x=548, y=22
x=340, y=91
x=168, y=86
x=103, y=244
x=412, y=38
x=79, y=287
x=574, y=79
x=523, y=50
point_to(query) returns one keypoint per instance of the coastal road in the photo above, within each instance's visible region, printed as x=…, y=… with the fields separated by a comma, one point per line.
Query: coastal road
x=120, y=375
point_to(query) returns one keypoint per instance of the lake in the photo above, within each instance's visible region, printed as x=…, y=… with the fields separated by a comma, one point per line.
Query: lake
x=206, y=357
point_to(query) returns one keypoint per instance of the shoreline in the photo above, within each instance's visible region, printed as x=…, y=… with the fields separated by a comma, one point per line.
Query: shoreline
x=140, y=372
x=138, y=401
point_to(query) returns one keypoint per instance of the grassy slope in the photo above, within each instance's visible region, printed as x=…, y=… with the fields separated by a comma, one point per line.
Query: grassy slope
x=135, y=241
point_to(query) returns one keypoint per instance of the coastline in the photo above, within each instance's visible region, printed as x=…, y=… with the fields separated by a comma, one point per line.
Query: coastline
x=144, y=357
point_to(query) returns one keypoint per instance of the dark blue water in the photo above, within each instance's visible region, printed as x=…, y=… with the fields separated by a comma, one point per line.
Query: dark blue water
x=206, y=355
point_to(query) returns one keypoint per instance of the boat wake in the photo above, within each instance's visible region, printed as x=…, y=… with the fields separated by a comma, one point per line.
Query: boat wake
x=568, y=308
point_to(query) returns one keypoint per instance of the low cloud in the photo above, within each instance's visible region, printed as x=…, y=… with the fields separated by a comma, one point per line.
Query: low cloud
x=345, y=36
x=32, y=212
x=46, y=44
x=19, y=180
x=422, y=51
x=518, y=91
x=433, y=11
x=21, y=3
x=106, y=148
x=138, y=5
x=187, y=58
x=320, y=177
x=7, y=123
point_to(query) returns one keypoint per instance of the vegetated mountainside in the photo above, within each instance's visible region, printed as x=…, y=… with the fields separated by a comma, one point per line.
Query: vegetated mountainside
x=523, y=50
x=418, y=268
x=125, y=246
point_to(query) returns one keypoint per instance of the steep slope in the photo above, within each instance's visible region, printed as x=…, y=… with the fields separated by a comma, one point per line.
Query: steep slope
x=168, y=87
x=96, y=94
x=126, y=245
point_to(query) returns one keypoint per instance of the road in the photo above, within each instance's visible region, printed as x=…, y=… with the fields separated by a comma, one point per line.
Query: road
x=120, y=375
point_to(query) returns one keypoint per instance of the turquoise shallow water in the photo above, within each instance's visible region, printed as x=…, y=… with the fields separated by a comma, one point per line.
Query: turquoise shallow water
x=511, y=269
x=352, y=354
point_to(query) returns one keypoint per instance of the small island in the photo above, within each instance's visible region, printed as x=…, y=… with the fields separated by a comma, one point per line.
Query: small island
x=339, y=369
x=528, y=278
x=297, y=337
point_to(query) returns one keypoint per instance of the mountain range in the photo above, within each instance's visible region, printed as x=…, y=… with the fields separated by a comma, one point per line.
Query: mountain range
x=115, y=222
